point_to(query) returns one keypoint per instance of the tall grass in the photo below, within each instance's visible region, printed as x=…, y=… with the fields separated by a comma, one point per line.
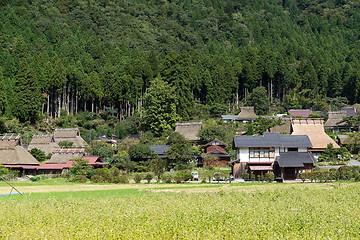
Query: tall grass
x=317, y=211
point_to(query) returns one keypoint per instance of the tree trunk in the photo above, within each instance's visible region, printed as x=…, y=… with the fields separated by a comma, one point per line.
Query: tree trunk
x=92, y=105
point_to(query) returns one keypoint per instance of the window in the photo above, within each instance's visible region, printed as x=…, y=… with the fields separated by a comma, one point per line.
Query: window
x=261, y=153
x=292, y=149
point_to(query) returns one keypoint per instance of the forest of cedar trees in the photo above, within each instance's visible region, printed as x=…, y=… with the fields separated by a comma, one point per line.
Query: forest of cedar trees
x=86, y=55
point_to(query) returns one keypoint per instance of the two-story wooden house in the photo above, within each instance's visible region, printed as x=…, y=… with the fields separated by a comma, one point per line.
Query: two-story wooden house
x=285, y=155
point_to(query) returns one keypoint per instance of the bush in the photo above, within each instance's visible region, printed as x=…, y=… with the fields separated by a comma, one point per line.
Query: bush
x=167, y=178
x=80, y=178
x=97, y=179
x=35, y=178
x=137, y=178
x=178, y=178
x=148, y=177
x=245, y=176
x=186, y=175
x=121, y=179
x=269, y=177
x=303, y=176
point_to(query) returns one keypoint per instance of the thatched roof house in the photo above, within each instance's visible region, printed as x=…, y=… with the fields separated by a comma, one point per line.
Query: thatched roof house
x=63, y=155
x=13, y=155
x=246, y=114
x=71, y=135
x=314, y=128
x=44, y=142
x=334, y=118
x=283, y=129
x=189, y=130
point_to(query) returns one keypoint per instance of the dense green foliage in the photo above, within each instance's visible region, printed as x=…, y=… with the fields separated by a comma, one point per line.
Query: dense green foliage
x=76, y=55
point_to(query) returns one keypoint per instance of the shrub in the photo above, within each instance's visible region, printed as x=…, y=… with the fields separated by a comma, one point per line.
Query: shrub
x=269, y=177
x=186, y=175
x=179, y=178
x=148, y=177
x=121, y=179
x=303, y=176
x=167, y=178
x=80, y=178
x=97, y=179
x=35, y=178
x=105, y=174
x=245, y=176
x=137, y=178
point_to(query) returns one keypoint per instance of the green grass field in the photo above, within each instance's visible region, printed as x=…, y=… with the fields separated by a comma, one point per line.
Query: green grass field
x=187, y=211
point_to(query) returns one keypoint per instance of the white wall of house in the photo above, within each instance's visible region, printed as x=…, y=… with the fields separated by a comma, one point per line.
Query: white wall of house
x=243, y=154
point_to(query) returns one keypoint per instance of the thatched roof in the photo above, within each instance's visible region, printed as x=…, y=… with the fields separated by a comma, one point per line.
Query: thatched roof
x=314, y=129
x=334, y=118
x=71, y=135
x=9, y=141
x=189, y=130
x=246, y=113
x=285, y=128
x=62, y=156
x=66, y=133
x=44, y=142
x=12, y=152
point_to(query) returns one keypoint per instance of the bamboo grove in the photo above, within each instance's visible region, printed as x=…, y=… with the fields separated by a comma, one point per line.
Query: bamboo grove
x=87, y=55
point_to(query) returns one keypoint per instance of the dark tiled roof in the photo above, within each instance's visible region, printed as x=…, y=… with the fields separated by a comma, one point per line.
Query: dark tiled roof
x=272, y=140
x=350, y=111
x=294, y=159
x=300, y=112
x=159, y=149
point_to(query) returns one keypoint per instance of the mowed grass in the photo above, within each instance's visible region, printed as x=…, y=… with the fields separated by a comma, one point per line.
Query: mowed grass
x=268, y=211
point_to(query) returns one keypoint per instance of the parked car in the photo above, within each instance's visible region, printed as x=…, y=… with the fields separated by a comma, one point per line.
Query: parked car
x=195, y=176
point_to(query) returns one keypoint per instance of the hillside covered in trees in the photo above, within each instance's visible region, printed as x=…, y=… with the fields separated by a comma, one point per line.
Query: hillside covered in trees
x=91, y=55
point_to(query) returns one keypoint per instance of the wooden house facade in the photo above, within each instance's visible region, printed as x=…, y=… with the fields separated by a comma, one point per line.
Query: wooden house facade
x=258, y=154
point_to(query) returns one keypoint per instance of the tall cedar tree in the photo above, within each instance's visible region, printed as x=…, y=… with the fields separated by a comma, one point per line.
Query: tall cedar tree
x=159, y=107
x=2, y=93
x=28, y=94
